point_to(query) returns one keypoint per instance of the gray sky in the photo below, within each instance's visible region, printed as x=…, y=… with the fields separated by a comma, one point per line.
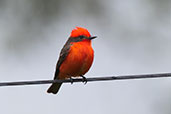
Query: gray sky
x=133, y=38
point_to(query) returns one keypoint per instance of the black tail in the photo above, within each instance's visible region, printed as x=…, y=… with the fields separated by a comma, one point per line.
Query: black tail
x=54, y=88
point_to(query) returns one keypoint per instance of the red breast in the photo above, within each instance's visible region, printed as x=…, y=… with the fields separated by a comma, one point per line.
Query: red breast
x=78, y=61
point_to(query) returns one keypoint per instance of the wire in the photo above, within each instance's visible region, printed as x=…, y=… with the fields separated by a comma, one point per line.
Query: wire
x=106, y=78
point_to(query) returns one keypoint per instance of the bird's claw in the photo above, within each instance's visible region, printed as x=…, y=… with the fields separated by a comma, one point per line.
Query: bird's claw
x=84, y=79
x=71, y=79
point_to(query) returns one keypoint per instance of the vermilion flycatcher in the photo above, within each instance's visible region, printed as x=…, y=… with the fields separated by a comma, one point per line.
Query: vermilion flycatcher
x=75, y=58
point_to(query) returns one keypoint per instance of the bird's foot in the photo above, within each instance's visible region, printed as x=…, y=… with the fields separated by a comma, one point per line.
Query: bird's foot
x=84, y=79
x=71, y=79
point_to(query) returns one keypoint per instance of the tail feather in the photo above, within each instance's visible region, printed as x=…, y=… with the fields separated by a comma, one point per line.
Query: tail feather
x=54, y=88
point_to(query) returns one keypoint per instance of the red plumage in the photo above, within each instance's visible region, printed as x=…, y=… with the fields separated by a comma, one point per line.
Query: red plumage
x=78, y=31
x=76, y=57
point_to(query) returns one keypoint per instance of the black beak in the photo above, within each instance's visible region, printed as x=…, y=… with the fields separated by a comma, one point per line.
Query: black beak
x=93, y=37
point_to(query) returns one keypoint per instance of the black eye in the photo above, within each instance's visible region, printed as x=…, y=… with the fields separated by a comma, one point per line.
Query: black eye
x=81, y=37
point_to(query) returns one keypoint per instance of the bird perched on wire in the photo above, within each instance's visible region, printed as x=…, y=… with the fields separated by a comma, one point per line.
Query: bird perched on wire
x=75, y=58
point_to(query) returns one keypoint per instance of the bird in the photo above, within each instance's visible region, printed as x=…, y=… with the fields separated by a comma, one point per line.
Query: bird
x=75, y=59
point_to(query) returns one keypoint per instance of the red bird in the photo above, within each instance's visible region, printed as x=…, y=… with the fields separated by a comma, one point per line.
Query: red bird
x=75, y=58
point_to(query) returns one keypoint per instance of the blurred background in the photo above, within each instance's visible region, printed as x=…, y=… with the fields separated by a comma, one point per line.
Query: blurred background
x=134, y=37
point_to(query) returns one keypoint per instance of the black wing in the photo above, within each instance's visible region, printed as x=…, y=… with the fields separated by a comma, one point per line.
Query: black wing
x=63, y=54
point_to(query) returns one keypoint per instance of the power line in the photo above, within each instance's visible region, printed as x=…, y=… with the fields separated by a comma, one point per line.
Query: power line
x=105, y=78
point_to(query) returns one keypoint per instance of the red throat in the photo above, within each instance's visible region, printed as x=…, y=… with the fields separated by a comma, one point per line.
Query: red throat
x=78, y=31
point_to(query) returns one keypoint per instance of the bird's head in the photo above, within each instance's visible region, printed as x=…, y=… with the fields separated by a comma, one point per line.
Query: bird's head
x=80, y=34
